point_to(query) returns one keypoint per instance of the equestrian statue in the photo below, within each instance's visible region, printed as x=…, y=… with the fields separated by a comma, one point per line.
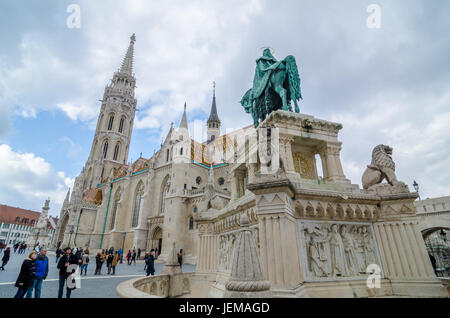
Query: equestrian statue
x=275, y=85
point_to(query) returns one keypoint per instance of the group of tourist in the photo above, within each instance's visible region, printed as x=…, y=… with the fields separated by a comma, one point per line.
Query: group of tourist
x=19, y=248
x=33, y=271
x=35, y=267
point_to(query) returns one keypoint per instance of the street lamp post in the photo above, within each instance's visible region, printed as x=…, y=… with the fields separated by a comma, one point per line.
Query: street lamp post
x=123, y=247
x=71, y=232
x=37, y=236
x=416, y=187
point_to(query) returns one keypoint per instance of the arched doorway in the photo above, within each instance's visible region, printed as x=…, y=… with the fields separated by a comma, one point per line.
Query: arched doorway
x=437, y=242
x=157, y=239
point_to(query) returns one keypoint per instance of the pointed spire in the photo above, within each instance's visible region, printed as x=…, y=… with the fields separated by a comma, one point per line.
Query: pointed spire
x=66, y=200
x=127, y=64
x=183, y=123
x=213, y=115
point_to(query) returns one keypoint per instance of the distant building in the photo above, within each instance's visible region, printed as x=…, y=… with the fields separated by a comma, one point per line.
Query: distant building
x=16, y=225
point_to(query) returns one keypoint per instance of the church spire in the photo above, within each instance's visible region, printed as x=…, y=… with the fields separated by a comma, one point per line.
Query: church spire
x=213, y=117
x=127, y=64
x=183, y=123
x=213, y=121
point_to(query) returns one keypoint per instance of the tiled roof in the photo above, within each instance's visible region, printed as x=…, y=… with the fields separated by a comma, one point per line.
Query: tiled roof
x=8, y=214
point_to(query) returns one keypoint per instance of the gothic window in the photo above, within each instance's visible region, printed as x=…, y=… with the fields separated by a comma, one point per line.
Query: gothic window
x=137, y=204
x=122, y=121
x=167, y=158
x=181, y=151
x=116, y=152
x=111, y=121
x=17, y=219
x=32, y=222
x=198, y=180
x=195, y=209
x=105, y=149
x=213, y=137
x=164, y=195
x=191, y=223
x=221, y=181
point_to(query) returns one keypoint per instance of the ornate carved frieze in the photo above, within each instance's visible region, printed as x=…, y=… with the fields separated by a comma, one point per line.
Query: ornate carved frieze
x=312, y=209
x=337, y=250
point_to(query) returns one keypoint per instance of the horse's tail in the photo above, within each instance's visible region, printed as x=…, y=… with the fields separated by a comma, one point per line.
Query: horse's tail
x=293, y=78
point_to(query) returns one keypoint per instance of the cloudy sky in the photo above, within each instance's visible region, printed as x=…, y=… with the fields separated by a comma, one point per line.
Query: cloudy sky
x=386, y=85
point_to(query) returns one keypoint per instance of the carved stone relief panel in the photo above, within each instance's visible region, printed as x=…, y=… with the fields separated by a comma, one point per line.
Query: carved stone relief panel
x=337, y=250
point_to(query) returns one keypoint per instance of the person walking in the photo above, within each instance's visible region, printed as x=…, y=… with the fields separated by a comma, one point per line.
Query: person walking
x=147, y=254
x=26, y=276
x=180, y=257
x=129, y=257
x=151, y=263
x=114, y=262
x=109, y=260
x=58, y=254
x=85, y=262
x=16, y=246
x=139, y=254
x=133, y=257
x=120, y=255
x=67, y=259
x=5, y=258
x=41, y=265
x=102, y=259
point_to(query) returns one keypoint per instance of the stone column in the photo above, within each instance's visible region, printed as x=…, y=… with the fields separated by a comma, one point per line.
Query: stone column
x=278, y=234
x=331, y=163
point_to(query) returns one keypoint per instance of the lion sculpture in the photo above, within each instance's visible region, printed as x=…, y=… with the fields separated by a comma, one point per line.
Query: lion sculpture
x=382, y=167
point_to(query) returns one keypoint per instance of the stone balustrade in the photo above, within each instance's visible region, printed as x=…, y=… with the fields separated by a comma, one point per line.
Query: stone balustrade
x=154, y=286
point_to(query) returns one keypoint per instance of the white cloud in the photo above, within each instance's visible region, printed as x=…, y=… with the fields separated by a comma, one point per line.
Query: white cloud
x=28, y=180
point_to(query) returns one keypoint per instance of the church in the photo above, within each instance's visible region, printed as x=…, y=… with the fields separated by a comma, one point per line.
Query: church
x=263, y=211
x=149, y=203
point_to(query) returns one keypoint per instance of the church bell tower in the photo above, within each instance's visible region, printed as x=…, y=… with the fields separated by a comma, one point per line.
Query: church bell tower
x=115, y=123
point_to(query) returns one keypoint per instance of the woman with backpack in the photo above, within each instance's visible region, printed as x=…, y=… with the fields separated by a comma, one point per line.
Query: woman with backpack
x=26, y=275
x=129, y=257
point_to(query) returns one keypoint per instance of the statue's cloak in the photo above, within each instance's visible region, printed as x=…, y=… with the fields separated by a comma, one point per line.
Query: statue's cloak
x=265, y=66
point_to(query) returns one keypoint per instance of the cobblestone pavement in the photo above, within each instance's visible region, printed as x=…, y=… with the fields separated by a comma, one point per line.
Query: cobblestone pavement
x=92, y=286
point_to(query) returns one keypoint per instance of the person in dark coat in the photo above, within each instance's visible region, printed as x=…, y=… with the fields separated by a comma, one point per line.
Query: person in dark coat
x=133, y=257
x=63, y=265
x=109, y=260
x=139, y=254
x=98, y=264
x=180, y=257
x=26, y=275
x=145, y=260
x=151, y=263
x=5, y=258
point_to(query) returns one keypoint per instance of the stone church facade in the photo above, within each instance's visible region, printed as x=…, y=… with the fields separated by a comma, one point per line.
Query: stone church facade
x=151, y=202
